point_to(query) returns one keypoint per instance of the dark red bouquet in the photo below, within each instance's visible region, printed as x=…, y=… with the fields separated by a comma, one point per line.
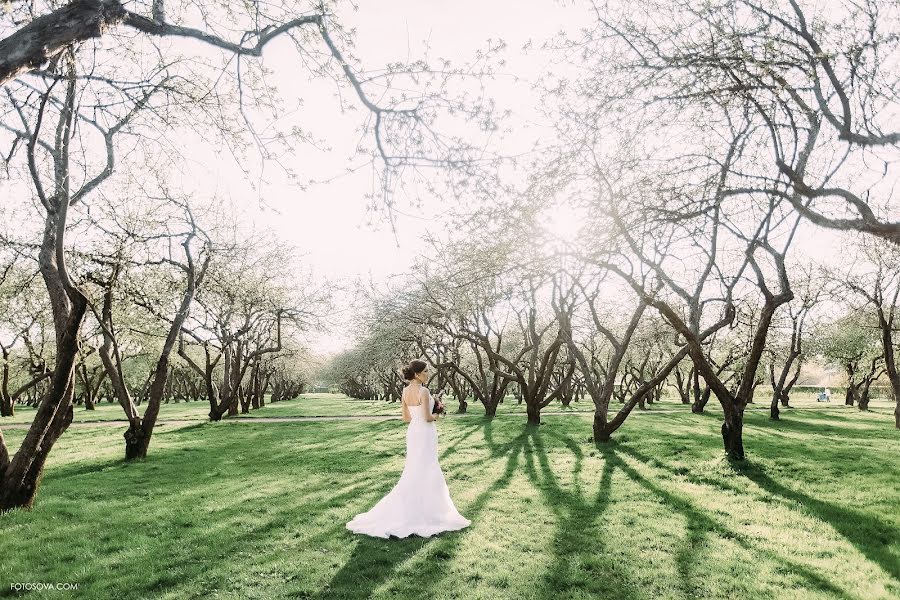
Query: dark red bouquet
x=438, y=408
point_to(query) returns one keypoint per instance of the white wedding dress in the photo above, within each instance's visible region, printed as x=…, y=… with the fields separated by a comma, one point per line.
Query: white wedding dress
x=420, y=502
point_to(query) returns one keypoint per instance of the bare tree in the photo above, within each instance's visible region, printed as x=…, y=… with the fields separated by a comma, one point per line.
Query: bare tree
x=850, y=343
x=24, y=316
x=820, y=87
x=474, y=339
x=240, y=317
x=878, y=285
x=652, y=244
x=531, y=366
x=191, y=263
x=792, y=353
x=402, y=125
x=20, y=475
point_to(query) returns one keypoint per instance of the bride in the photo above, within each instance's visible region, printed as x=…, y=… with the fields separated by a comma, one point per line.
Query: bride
x=420, y=502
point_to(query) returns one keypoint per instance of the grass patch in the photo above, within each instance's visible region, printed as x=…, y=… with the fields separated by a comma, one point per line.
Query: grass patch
x=258, y=511
x=339, y=405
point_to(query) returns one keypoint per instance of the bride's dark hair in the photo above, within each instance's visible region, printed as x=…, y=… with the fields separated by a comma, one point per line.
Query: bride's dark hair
x=410, y=370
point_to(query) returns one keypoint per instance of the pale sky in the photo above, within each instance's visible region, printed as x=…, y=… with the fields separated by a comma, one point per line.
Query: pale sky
x=327, y=223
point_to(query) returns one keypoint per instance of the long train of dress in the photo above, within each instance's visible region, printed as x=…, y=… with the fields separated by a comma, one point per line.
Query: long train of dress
x=420, y=502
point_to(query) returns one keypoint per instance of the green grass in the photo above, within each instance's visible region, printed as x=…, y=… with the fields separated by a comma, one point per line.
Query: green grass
x=305, y=405
x=316, y=405
x=257, y=510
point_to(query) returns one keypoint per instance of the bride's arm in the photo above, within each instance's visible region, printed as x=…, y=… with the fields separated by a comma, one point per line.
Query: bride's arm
x=429, y=416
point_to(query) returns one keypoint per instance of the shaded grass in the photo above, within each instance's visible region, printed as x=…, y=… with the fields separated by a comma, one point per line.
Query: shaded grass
x=258, y=511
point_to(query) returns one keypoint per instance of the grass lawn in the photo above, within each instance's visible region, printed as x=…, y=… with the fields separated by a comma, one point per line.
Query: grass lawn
x=257, y=510
x=327, y=405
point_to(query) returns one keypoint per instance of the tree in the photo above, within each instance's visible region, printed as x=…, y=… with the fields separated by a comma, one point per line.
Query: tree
x=191, y=259
x=468, y=319
x=791, y=351
x=21, y=474
x=850, y=343
x=533, y=366
x=878, y=285
x=672, y=208
x=652, y=233
x=402, y=126
x=820, y=89
x=602, y=368
x=241, y=316
x=24, y=316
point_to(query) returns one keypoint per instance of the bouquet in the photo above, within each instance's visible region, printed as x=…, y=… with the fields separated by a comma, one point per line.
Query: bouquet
x=438, y=407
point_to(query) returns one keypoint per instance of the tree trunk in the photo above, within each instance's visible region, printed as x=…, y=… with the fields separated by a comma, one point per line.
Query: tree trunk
x=700, y=401
x=732, y=431
x=850, y=397
x=138, y=435
x=697, y=406
x=6, y=402
x=243, y=401
x=863, y=403
x=897, y=412
x=48, y=35
x=21, y=476
x=601, y=429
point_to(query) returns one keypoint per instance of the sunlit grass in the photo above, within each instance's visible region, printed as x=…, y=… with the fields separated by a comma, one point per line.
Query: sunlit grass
x=330, y=405
x=258, y=511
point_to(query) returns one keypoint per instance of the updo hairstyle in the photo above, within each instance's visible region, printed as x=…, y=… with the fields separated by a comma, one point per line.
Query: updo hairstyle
x=410, y=370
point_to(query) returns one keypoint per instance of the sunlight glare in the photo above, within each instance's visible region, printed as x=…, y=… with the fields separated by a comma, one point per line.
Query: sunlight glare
x=562, y=225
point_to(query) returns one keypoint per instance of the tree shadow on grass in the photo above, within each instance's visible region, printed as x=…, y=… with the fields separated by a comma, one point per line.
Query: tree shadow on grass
x=467, y=432
x=375, y=560
x=828, y=425
x=583, y=563
x=700, y=524
x=872, y=537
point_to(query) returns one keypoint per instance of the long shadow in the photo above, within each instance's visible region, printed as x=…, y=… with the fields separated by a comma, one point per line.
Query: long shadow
x=158, y=455
x=872, y=537
x=595, y=571
x=244, y=524
x=700, y=524
x=467, y=433
x=866, y=432
x=80, y=467
x=374, y=560
x=869, y=535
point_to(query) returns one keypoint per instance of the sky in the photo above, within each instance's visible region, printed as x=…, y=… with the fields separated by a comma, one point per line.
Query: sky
x=328, y=223
x=323, y=219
